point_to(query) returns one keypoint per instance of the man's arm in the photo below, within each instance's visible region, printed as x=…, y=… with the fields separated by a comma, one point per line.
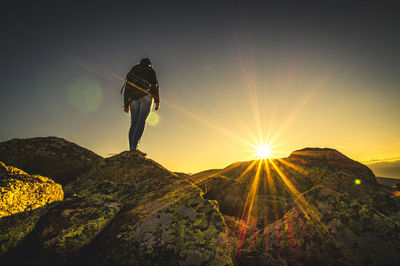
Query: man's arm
x=126, y=99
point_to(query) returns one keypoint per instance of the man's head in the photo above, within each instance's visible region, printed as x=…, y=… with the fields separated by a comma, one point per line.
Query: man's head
x=146, y=61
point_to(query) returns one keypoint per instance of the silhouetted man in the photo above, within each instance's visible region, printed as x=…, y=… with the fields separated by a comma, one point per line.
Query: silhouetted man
x=141, y=87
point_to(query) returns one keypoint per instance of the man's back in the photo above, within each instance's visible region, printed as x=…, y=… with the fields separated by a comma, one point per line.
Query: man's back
x=145, y=77
x=144, y=73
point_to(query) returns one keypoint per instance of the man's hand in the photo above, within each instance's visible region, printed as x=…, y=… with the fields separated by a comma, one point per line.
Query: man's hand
x=157, y=106
x=126, y=109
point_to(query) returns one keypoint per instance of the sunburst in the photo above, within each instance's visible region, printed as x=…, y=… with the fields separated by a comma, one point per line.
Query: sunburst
x=264, y=151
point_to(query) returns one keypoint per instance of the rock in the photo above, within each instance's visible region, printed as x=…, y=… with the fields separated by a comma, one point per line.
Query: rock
x=231, y=187
x=316, y=207
x=164, y=220
x=275, y=230
x=15, y=228
x=23, y=199
x=327, y=228
x=74, y=223
x=333, y=160
x=130, y=210
x=181, y=230
x=55, y=157
x=303, y=169
x=21, y=192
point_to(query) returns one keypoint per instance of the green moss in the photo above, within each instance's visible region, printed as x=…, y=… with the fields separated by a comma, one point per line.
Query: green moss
x=15, y=228
x=188, y=230
x=21, y=192
x=79, y=221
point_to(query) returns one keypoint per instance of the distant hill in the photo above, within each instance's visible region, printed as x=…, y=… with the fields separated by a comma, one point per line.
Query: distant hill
x=387, y=181
x=386, y=169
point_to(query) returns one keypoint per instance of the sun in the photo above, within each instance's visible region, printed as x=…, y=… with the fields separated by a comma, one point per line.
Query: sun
x=264, y=151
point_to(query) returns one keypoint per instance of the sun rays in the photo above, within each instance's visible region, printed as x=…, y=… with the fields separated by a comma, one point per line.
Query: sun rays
x=263, y=150
x=264, y=172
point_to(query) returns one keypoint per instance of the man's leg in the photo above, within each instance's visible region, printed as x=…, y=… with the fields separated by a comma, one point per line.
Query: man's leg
x=144, y=111
x=134, y=109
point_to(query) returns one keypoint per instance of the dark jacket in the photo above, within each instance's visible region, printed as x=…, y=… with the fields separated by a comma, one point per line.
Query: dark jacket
x=145, y=77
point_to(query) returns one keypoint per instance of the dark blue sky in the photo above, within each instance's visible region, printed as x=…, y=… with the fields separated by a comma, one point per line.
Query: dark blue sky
x=49, y=49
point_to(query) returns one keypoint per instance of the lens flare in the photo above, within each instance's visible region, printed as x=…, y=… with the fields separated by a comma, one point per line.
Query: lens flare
x=357, y=181
x=84, y=95
x=153, y=119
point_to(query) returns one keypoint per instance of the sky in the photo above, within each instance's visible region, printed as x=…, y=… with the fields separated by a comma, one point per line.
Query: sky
x=232, y=74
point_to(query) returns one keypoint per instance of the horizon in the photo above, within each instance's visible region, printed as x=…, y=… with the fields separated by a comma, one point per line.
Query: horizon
x=232, y=78
x=372, y=163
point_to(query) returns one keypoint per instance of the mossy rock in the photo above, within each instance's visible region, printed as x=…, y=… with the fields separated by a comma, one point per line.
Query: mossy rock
x=165, y=220
x=327, y=228
x=342, y=214
x=15, y=228
x=21, y=192
x=130, y=210
x=333, y=160
x=73, y=224
x=23, y=199
x=181, y=229
x=55, y=157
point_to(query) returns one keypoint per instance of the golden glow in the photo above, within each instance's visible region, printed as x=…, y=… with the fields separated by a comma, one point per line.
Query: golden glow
x=264, y=151
x=276, y=114
x=283, y=102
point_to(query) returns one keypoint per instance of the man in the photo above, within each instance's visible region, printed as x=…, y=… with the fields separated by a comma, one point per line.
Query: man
x=141, y=87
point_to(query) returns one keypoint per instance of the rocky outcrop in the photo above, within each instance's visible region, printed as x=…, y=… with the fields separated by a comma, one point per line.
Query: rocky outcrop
x=15, y=228
x=55, y=157
x=333, y=160
x=73, y=224
x=315, y=207
x=23, y=198
x=130, y=210
x=327, y=228
x=231, y=187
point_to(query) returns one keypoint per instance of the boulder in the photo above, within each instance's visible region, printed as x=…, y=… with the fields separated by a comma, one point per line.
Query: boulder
x=333, y=160
x=23, y=199
x=327, y=228
x=130, y=210
x=21, y=192
x=315, y=207
x=55, y=157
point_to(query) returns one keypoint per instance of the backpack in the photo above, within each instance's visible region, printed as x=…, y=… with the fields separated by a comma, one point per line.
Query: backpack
x=135, y=78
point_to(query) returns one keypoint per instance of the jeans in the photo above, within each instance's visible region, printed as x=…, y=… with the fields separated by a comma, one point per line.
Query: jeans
x=140, y=110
